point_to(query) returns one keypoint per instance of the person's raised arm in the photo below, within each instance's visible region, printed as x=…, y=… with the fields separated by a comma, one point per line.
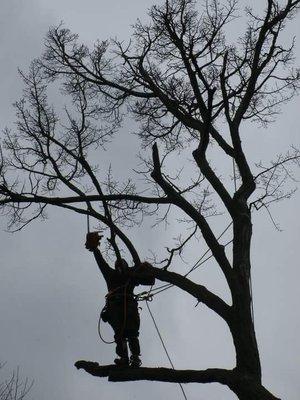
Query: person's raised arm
x=92, y=243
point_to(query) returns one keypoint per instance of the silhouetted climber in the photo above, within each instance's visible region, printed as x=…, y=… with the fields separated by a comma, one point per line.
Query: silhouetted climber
x=121, y=310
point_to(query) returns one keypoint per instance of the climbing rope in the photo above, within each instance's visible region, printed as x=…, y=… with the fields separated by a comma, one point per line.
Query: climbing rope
x=234, y=175
x=148, y=296
x=197, y=264
x=251, y=298
x=88, y=222
x=164, y=346
x=99, y=329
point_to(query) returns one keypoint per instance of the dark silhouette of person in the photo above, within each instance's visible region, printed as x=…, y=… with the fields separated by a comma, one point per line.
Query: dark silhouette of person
x=121, y=309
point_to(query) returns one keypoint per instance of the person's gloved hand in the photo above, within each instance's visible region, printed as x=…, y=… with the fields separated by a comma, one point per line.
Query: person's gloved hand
x=92, y=240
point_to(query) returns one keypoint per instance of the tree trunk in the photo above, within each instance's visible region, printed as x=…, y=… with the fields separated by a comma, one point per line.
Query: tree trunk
x=247, y=356
x=248, y=385
x=247, y=388
x=242, y=326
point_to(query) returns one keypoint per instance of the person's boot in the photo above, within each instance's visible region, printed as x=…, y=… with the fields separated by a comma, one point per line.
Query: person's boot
x=121, y=362
x=135, y=361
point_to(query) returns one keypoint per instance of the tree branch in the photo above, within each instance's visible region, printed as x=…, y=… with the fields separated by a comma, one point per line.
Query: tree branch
x=19, y=198
x=117, y=374
x=184, y=205
x=200, y=292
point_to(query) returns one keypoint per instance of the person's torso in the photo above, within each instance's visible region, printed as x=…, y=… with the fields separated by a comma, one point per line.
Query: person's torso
x=120, y=285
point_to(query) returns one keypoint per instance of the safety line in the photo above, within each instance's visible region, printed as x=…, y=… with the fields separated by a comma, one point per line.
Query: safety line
x=251, y=300
x=169, y=285
x=198, y=263
x=234, y=175
x=88, y=222
x=166, y=286
x=208, y=250
x=164, y=346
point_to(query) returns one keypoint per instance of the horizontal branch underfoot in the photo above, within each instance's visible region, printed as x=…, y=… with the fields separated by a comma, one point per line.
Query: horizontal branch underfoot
x=122, y=374
x=241, y=384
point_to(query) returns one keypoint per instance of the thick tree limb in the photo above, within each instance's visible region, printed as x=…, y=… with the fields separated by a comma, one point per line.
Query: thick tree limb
x=120, y=374
x=184, y=205
x=222, y=142
x=212, y=178
x=82, y=199
x=201, y=293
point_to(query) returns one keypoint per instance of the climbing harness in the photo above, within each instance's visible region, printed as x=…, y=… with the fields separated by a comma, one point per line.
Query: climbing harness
x=103, y=311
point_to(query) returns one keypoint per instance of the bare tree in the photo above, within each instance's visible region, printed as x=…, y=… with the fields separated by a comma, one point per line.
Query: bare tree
x=190, y=92
x=14, y=388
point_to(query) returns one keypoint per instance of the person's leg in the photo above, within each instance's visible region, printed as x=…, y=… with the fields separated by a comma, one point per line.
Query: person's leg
x=132, y=333
x=134, y=346
x=121, y=349
x=116, y=321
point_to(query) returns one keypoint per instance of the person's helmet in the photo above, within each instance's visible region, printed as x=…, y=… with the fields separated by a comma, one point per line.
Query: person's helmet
x=121, y=265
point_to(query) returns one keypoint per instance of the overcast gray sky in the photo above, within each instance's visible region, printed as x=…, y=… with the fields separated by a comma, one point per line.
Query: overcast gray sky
x=51, y=292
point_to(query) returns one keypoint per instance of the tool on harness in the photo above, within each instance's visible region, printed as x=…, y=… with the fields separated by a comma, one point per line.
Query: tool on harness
x=104, y=314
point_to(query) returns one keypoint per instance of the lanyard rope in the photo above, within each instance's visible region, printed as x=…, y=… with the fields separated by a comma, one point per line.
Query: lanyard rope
x=88, y=222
